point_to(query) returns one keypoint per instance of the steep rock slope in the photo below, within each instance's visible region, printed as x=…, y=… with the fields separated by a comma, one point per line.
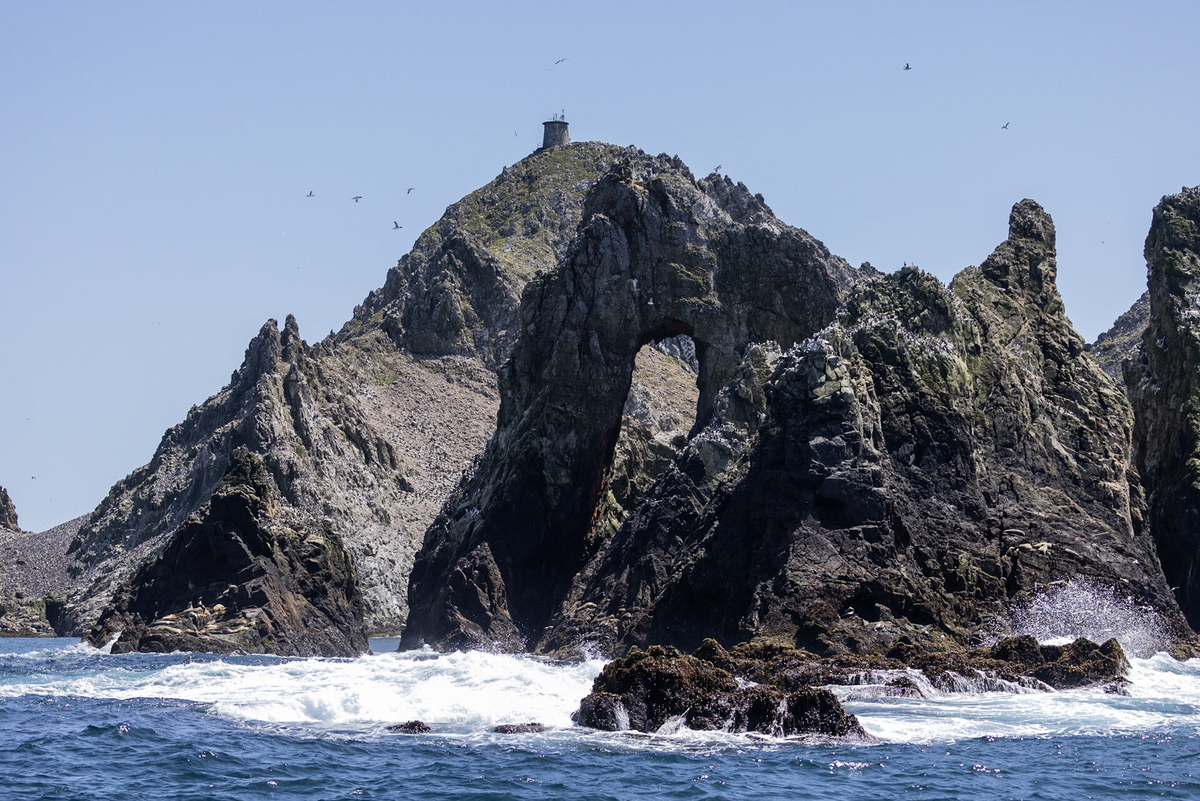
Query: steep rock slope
x=257, y=580
x=370, y=430
x=1165, y=385
x=1123, y=340
x=34, y=581
x=658, y=255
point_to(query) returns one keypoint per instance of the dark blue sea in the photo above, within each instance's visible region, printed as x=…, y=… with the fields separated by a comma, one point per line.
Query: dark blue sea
x=79, y=723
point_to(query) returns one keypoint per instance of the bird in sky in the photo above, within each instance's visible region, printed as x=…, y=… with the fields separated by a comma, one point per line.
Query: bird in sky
x=310, y=194
x=561, y=60
x=396, y=226
x=410, y=189
x=717, y=168
x=356, y=198
x=906, y=66
x=1004, y=127
x=514, y=133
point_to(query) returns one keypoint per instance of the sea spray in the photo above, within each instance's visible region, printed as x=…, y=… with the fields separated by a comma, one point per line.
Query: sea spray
x=1083, y=608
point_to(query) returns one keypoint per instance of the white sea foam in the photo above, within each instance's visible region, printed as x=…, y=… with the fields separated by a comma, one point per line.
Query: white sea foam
x=465, y=694
x=1164, y=697
x=1084, y=608
x=461, y=691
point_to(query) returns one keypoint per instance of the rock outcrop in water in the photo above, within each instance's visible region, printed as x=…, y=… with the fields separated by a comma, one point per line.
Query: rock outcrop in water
x=647, y=690
x=242, y=574
x=1165, y=384
x=657, y=256
x=776, y=689
x=926, y=459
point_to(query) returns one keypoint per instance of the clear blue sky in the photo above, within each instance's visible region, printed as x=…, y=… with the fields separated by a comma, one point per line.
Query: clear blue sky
x=154, y=159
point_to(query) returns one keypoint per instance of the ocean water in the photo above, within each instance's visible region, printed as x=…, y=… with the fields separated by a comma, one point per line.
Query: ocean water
x=79, y=723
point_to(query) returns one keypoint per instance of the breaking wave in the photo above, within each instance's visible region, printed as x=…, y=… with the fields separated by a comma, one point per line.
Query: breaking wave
x=1084, y=608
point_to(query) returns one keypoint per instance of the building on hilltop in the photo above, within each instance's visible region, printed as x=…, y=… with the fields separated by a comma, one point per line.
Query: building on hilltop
x=555, y=131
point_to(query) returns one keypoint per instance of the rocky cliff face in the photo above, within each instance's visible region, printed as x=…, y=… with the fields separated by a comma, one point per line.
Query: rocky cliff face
x=1165, y=384
x=243, y=574
x=658, y=255
x=1123, y=340
x=925, y=459
x=370, y=430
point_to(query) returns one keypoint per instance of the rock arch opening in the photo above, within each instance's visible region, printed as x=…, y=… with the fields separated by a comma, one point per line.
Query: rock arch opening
x=658, y=416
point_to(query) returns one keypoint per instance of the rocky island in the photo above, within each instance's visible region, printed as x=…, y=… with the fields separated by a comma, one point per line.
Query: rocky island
x=607, y=406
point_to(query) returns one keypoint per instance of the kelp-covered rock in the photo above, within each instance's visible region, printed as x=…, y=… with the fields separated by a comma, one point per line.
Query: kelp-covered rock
x=646, y=690
x=1015, y=662
x=241, y=576
x=1165, y=384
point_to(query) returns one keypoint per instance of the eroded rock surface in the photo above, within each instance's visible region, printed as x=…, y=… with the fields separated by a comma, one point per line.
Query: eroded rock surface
x=1165, y=385
x=905, y=474
x=242, y=574
x=657, y=255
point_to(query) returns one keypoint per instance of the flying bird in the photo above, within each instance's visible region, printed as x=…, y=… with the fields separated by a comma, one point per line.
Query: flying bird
x=356, y=198
x=717, y=168
x=514, y=133
x=561, y=60
x=310, y=194
x=906, y=66
x=396, y=226
x=410, y=189
x=1004, y=127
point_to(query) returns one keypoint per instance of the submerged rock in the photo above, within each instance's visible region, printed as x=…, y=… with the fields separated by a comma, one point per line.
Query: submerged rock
x=519, y=728
x=411, y=727
x=240, y=576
